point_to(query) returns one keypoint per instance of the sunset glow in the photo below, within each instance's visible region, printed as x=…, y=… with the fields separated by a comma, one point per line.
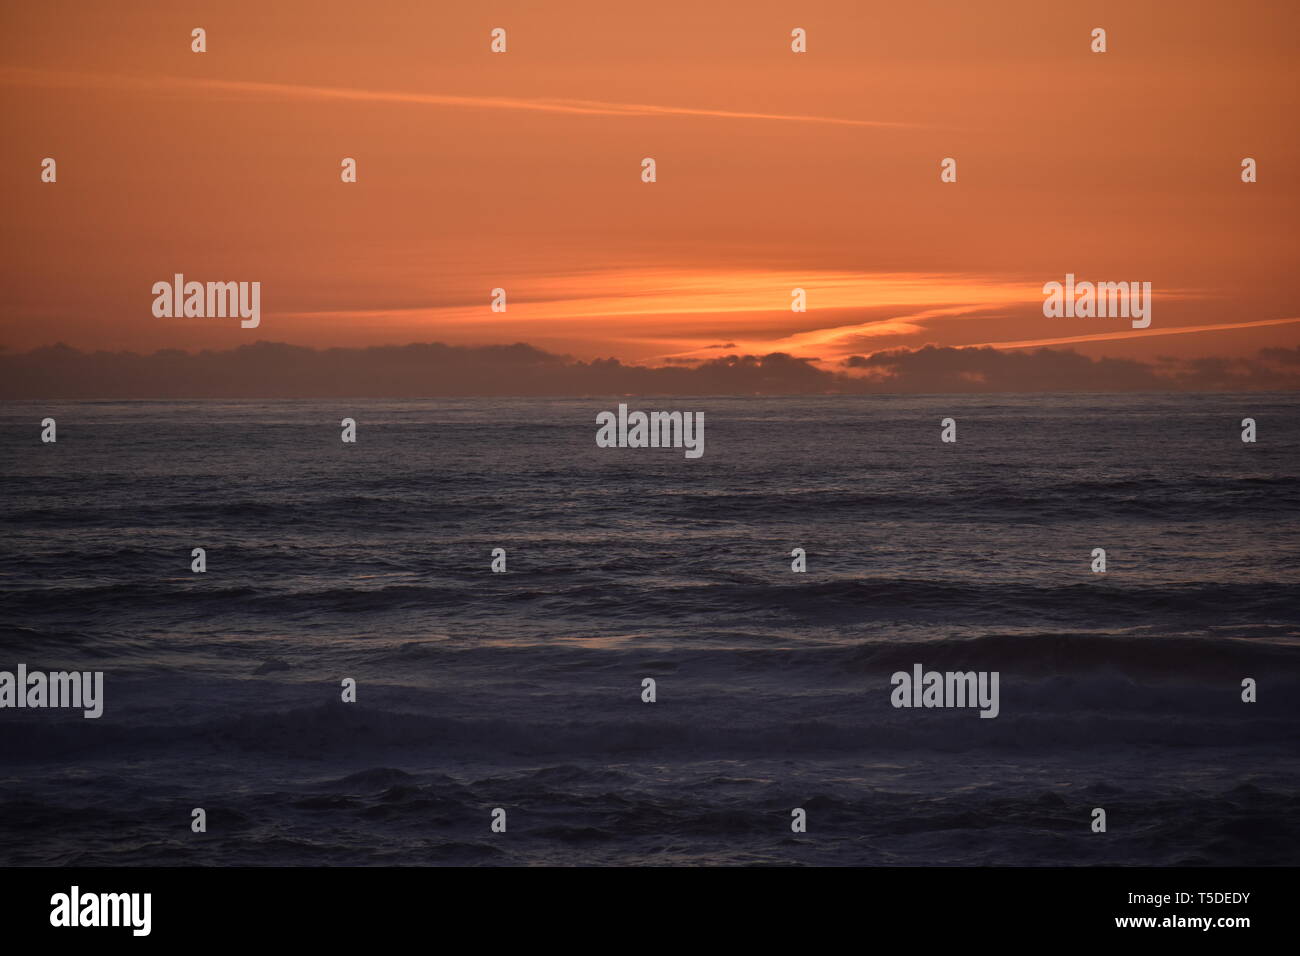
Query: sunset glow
x=775, y=173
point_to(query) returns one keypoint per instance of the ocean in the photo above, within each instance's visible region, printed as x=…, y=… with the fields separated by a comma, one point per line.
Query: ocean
x=522, y=690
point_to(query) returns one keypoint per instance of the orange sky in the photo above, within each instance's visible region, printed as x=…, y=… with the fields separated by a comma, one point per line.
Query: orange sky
x=775, y=170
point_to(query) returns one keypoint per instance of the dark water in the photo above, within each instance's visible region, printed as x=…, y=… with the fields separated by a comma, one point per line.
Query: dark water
x=522, y=690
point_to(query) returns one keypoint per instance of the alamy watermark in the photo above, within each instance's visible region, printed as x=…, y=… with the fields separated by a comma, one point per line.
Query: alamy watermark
x=37, y=689
x=651, y=430
x=212, y=300
x=1100, y=300
x=75, y=908
x=923, y=688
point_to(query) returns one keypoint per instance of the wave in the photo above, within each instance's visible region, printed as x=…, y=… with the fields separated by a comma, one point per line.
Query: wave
x=582, y=594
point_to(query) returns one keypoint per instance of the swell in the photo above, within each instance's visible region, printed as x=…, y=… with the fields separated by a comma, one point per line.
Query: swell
x=461, y=497
x=584, y=595
x=1056, y=690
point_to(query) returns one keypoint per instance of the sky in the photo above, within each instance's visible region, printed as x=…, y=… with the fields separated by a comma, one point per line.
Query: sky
x=775, y=171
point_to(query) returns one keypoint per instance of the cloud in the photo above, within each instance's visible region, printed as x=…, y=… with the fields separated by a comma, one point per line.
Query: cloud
x=987, y=369
x=20, y=76
x=277, y=370
x=1119, y=334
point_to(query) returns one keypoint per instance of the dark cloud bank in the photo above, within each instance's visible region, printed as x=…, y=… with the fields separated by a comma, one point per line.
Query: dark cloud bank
x=275, y=370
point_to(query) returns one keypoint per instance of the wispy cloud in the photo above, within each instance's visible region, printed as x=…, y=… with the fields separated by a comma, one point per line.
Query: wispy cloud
x=688, y=308
x=19, y=76
x=677, y=313
x=1132, y=333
